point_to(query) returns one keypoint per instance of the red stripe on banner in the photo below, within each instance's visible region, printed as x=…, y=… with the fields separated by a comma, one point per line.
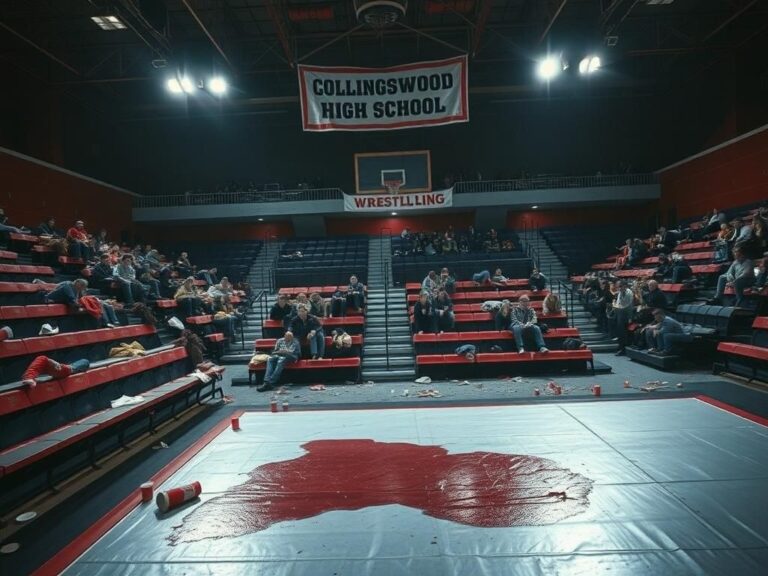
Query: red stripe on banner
x=72, y=551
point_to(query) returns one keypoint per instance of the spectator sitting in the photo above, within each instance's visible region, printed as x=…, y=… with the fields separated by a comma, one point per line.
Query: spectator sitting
x=405, y=234
x=714, y=221
x=662, y=336
x=681, y=270
x=102, y=273
x=79, y=243
x=286, y=351
x=100, y=243
x=187, y=298
x=740, y=275
x=48, y=228
x=67, y=292
x=491, y=243
x=183, y=265
x=51, y=237
x=355, y=294
x=551, y=305
x=724, y=238
x=224, y=316
x=651, y=299
x=537, y=281
x=424, y=318
x=305, y=326
x=318, y=306
x=338, y=304
x=622, y=313
x=444, y=311
x=208, y=275
x=524, y=320
x=503, y=318
x=429, y=284
x=130, y=287
x=449, y=244
x=281, y=309
x=222, y=289
x=761, y=280
x=447, y=281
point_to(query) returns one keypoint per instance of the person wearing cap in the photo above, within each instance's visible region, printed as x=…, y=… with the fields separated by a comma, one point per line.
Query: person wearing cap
x=286, y=351
x=524, y=320
x=79, y=243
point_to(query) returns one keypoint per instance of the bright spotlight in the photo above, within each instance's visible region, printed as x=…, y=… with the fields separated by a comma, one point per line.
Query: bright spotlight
x=394, y=213
x=217, y=85
x=173, y=86
x=549, y=67
x=186, y=84
x=589, y=65
x=534, y=207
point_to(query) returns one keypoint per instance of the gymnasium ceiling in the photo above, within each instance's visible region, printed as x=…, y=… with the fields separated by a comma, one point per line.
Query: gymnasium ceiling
x=257, y=43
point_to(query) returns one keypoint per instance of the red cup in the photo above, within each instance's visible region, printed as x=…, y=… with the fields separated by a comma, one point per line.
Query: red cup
x=147, y=491
x=235, y=423
x=596, y=390
x=273, y=405
x=175, y=497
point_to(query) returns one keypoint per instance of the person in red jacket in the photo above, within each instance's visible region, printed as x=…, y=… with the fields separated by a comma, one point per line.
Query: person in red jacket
x=79, y=246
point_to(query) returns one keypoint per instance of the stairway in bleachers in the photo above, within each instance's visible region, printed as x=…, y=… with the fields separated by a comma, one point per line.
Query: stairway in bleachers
x=262, y=268
x=545, y=258
x=386, y=334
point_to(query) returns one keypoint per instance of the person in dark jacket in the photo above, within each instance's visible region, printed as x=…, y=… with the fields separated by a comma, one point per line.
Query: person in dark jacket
x=67, y=292
x=444, y=311
x=307, y=328
x=355, y=293
x=101, y=274
x=424, y=318
x=281, y=310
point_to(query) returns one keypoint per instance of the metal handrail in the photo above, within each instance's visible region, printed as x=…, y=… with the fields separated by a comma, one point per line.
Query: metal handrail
x=335, y=193
x=385, y=265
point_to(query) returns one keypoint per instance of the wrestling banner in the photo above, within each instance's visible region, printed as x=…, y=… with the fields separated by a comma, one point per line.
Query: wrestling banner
x=406, y=96
x=397, y=202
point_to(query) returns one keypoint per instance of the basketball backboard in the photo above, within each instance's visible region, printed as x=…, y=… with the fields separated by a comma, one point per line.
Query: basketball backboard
x=374, y=171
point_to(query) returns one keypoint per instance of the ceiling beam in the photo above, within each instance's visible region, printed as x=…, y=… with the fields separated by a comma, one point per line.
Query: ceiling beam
x=552, y=21
x=205, y=30
x=40, y=49
x=730, y=19
x=482, y=19
x=282, y=32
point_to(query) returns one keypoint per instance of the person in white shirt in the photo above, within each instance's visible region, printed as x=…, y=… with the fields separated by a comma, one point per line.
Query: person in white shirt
x=622, y=313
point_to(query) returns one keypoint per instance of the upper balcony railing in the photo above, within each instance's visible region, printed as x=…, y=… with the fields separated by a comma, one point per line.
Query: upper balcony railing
x=535, y=183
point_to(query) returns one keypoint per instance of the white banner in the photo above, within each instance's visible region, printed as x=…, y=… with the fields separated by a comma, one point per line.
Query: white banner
x=407, y=96
x=409, y=201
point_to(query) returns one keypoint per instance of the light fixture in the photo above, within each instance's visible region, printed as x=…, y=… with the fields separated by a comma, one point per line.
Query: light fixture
x=261, y=219
x=589, y=65
x=108, y=22
x=534, y=207
x=186, y=84
x=217, y=85
x=549, y=67
x=394, y=213
x=173, y=86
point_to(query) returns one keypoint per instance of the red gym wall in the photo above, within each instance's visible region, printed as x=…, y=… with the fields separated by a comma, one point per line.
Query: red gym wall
x=421, y=223
x=580, y=216
x=162, y=233
x=734, y=175
x=32, y=192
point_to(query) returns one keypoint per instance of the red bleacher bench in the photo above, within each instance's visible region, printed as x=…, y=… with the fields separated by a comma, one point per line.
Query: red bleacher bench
x=21, y=237
x=199, y=320
x=268, y=344
x=217, y=337
x=754, y=355
x=432, y=364
x=33, y=311
x=353, y=325
x=168, y=303
x=40, y=249
x=692, y=246
x=479, y=336
x=313, y=370
x=519, y=283
x=706, y=269
x=604, y=266
x=481, y=296
x=577, y=279
x=69, y=261
x=635, y=273
x=25, y=287
x=8, y=255
x=292, y=291
x=24, y=269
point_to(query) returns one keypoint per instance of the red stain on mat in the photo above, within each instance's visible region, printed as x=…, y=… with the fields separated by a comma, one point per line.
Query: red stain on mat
x=484, y=489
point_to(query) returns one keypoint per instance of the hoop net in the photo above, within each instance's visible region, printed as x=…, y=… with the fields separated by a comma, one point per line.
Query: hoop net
x=393, y=186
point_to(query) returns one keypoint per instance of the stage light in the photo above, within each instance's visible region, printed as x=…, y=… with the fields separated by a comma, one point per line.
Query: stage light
x=394, y=213
x=550, y=67
x=217, y=85
x=589, y=65
x=534, y=207
x=186, y=84
x=173, y=86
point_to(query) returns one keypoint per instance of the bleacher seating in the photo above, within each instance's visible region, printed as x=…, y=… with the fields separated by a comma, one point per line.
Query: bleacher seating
x=25, y=321
x=504, y=363
x=231, y=258
x=750, y=360
x=322, y=370
x=23, y=273
x=352, y=324
x=325, y=261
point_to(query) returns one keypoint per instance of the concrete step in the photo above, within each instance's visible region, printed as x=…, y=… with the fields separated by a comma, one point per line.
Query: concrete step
x=381, y=349
x=393, y=332
x=381, y=321
x=389, y=375
x=394, y=361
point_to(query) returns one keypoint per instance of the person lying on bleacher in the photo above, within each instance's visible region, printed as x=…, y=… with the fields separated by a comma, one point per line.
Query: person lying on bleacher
x=68, y=292
x=44, y=366
x=286, y=351
x=664, y=334
x=740, y=275
x=444, y=311
x=524, y=320
x=5, y=226
x=537, y=280
x=281, y=309
x=79, y=242
x=424, y=317
x=125, y=275
x=306, y=327
x=355, y=293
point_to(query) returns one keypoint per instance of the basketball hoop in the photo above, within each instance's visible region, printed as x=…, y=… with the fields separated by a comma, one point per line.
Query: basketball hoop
x=393, y=186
